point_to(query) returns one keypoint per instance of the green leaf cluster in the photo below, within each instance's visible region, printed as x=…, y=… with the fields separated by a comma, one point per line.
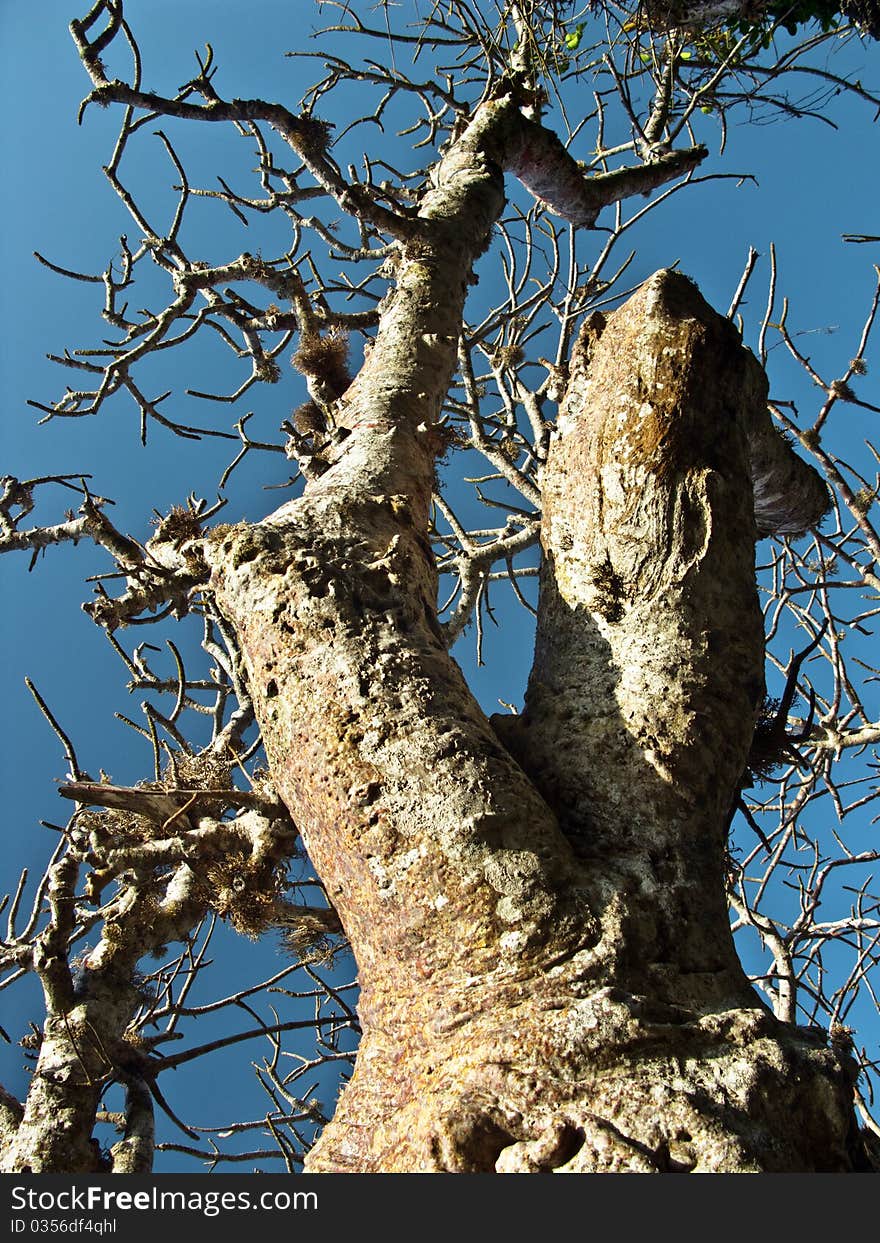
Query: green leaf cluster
x=793, y=15
x=718, y=45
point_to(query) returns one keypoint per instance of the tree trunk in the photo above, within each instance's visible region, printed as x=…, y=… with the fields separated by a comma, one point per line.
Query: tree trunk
x=536, y=904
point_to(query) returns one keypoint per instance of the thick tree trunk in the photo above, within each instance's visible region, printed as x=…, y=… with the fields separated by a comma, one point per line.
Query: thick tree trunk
x=536, y=903
x=537, y=912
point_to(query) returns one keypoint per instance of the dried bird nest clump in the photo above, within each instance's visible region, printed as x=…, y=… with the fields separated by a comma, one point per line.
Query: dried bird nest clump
x=206, y=771
x=312, y=937
x=325, y=358
x=772, y=745
x=309, y=419
x=177, y=526
x=246, y=892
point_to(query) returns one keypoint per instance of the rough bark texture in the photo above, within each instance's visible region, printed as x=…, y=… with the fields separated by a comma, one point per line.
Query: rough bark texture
x=536, y=903
x=80, y=1043
x=548, y=976
x=648, y=671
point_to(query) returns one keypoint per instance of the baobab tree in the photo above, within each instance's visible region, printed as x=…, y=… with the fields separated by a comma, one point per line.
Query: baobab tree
x=538, y=902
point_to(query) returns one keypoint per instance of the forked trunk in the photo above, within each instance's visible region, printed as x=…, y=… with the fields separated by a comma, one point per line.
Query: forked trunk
x=536, y=904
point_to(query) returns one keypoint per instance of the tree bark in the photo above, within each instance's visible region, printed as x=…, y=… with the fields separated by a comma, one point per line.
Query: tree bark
x=537, y=909
x=536, y=903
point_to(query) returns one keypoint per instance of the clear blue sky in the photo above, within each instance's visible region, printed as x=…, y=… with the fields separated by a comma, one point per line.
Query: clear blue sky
x=813, y=184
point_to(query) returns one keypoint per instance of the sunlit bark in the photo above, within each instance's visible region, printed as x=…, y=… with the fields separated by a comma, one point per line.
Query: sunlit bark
x=548, y=978
x=537, y=904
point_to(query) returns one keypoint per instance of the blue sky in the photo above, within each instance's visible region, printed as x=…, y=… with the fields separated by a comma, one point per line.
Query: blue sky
x=813, y=185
